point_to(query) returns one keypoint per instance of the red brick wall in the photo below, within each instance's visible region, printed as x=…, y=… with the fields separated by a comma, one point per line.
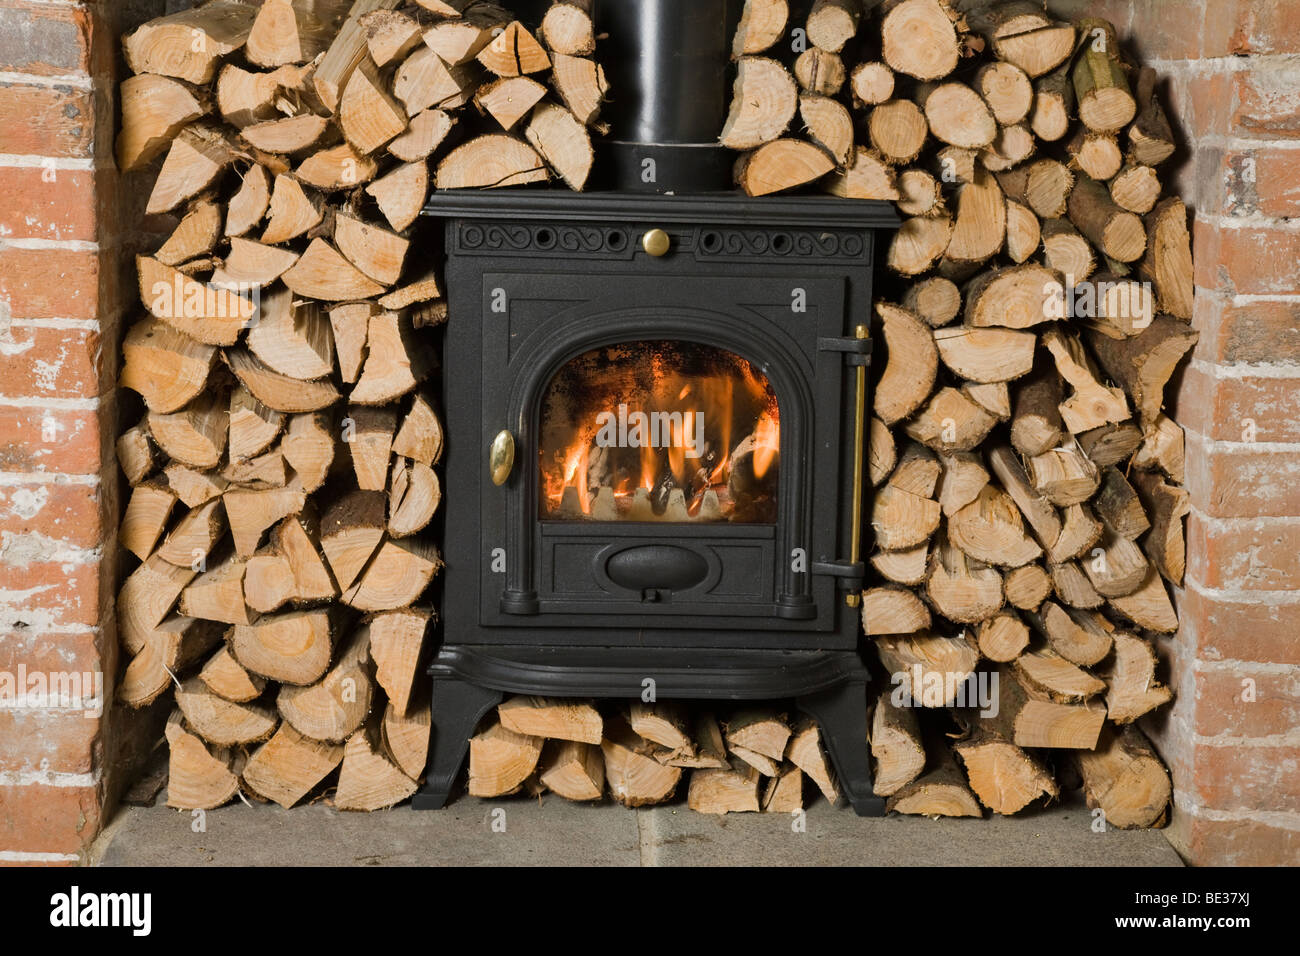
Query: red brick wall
x=63, y=289
x=1235, y=755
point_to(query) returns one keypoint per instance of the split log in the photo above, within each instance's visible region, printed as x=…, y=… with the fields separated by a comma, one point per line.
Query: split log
x=394, y=363
x=509, y=99
x=1136, y=188
x=939, y=792
x=663, y=724
x=1019, y=297
x=962, y=590
x=425, y=133
x=1079, y=636
x=1110, y=444
x=1124, y=778
x=1165, y=545
x=369, y=436
x=337, y=168
x=562, y=141
x=919, y=195
x=136, y=454
x=288, y=766
x=197, y=233
x=892, y=610
x=195, y=158
x=458, y=38
x=805, y=752
x=221, y=722
x=189, y=45
x=197, y=778
x=784, y=792
x=582, y=86
x=896, y=745
x=390, y=35
x=252, y=511
x=346, y=52
x=1073, y=587
x=990, y=529
x=935, y=300
x=918, y=244
x=634, y=779
x=396, y=577
x=1162, y=449
x=226, y=678
x=1064, y=475
x=367, y=780
x=146, y=517
x=488, y=162
x=194, y=536
x=907, y=566
x=514, y=52
x=206, y=314
x=902, y=520
x=706, y=751
x=1036, y=425
x=195, y=435
x=164, y=366
x=1132, y=690
x=753, y=761
x=1024, y=232
x=292, y=338
x=1149, y=606
x=723, y=791
x=1143, y=365
x=424, y=81
x=962, y=480
x=1030, y=720
x=292, y=210
x=168, y=649
x=980, y=229
x=406, y=737
x=830, y=126
x=1007, y=91
x=1004, y=777
x=865, y=177
x=146, y=598
x=930, y=669
x=1022, y=34
x=308, y=447
x=986, y=355
x=218, y=594
x=154, y=110
x=1092, y=405
x=289, y=134
x=882, y=454
x=760, y=731
x=551, y=718
x=336, y=705
x=951, y=421
x=293, y=647
x=1049, y=676
x=574, y=770
x=912, y=361
x=369, y=116
x=323, y=273
x=780, y=165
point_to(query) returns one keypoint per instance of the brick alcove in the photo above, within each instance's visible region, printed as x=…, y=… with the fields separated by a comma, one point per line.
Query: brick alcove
x=1231, y=77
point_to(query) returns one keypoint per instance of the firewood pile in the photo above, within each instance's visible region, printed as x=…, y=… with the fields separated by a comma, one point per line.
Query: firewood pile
x=755, y=760
x=283, y=473
x=1028, y=503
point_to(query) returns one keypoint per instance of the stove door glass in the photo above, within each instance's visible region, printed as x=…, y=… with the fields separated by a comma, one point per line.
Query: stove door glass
x=659, y=431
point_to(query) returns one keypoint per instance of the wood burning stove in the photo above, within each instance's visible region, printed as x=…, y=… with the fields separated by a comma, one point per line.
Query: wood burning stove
x=655, y=411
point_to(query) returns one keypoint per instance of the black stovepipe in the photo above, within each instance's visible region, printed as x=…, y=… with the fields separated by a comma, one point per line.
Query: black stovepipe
x=668, y=63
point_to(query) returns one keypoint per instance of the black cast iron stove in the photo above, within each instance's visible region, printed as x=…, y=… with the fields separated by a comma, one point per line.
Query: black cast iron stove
x=655, y=409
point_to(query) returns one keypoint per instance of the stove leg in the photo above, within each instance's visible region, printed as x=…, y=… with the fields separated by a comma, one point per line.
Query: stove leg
x=457, y=709
x=841, y=712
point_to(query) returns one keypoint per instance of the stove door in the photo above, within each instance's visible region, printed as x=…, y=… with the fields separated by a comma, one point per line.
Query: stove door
x=676, y=445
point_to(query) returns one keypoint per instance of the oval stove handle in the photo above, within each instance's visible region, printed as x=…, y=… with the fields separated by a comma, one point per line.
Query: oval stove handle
x=501, y=457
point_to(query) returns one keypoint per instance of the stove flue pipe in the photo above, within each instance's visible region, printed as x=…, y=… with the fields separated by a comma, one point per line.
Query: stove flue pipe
x=669, y=69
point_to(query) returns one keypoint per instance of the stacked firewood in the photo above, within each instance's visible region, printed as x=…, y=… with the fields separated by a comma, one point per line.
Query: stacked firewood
x=755, y=760
x=1028, y=505
x=282, y=475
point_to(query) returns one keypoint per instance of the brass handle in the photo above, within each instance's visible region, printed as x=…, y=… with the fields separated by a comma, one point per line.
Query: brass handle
x=854, y=598
x=656, y=243
x=501, y=459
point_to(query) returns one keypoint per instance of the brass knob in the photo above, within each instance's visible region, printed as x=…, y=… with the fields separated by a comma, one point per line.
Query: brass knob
x=501, y=459
x=656, y=242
